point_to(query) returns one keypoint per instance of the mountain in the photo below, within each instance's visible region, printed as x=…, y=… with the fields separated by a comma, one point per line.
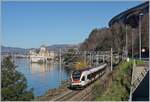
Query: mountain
x=17, y=50
x=62, y=46
x=14, y=50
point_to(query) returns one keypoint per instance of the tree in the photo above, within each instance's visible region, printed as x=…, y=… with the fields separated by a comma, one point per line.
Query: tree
x=13, y=83
x=118, y=31
x=81, y=64
x=99, y=39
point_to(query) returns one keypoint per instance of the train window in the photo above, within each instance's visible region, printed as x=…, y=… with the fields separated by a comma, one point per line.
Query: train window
x=83, y=78
x=76, y=75
x=94, y=74
x=89, y=76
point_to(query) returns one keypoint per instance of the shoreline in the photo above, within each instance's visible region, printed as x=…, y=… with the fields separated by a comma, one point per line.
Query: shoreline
x=51, y=94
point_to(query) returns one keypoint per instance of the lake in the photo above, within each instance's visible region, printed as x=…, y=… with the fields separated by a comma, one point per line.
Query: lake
x=41, y=77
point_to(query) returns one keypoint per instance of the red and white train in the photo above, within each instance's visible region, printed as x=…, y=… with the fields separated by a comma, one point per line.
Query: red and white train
x=81, y=78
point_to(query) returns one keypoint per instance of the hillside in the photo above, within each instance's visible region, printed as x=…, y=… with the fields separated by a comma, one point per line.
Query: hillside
x=114, y=36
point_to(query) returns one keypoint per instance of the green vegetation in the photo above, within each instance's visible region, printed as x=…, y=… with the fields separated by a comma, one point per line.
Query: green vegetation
x=13, y=83
x=73, y=61
x=119, y=88
x=68, y=57
x=139, y=62
x=81, y=64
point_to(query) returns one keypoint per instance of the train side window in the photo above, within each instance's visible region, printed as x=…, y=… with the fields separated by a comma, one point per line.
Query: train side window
x=83, y=78
x=89, y=76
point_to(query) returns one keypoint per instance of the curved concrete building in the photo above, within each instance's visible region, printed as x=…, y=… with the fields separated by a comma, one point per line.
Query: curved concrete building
x=131, y=16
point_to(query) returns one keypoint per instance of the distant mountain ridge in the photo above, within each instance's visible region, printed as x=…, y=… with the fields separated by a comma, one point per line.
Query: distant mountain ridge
x=62, y=46
x=14, y=50
x=17, y=50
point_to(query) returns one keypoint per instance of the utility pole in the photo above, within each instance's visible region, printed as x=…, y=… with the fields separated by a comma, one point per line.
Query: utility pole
x=90, y=60
x=111, y=66
x=84, y=56
x=92, y=57
x=97, y=60
x=103, y=58
x=140, y=16
x=60, y=65
x=126, y=42
x=132, y=44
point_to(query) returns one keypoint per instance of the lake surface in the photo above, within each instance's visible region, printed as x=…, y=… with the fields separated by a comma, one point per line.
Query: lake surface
x=41, y=77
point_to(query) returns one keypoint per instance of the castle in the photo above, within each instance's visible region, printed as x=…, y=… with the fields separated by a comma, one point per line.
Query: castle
x=41, y=55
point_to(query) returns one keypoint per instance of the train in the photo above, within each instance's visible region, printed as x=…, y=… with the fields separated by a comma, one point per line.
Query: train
x=82, y=78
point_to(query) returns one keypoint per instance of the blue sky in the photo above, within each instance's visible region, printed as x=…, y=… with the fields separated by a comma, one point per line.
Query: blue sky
x=31, y=24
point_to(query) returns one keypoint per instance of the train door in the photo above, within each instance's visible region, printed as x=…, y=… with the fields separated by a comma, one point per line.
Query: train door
x=83, y=81
x=89, y=78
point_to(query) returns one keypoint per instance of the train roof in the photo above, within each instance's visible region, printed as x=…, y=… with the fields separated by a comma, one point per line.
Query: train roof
x=85, y=69
x=88, y=68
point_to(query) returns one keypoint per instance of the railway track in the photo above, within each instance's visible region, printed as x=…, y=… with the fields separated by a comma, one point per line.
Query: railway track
x=80, y=95
x=67, y=96
x=87, y=93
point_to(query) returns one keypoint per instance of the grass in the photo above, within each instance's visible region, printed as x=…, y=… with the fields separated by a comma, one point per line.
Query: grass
x=138, y=62
x=119, y=88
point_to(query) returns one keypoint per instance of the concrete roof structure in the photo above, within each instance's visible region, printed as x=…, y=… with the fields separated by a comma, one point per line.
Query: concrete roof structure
x=131, y=16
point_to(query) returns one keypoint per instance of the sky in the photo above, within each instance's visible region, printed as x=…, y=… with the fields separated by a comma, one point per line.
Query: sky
x=32, y=24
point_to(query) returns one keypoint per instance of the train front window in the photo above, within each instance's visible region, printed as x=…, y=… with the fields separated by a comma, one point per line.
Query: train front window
x=76, y=75
x=83, y=78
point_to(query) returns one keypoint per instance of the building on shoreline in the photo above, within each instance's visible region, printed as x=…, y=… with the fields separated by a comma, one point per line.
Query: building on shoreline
x=41, y=55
